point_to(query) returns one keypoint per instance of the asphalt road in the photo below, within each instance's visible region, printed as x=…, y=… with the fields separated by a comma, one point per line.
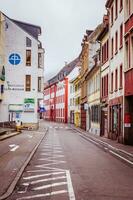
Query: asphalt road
x=67, y=167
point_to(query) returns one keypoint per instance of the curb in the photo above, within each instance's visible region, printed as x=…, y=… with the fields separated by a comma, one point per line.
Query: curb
x=5, y=136
x=118, y=153
x=18, y=175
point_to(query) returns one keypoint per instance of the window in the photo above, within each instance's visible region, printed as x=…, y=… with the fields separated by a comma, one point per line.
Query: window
x=116, y=42
x=121, y=4
x=127, y=54
x=121, y=76
x=116, y=9
x=39, y=84
x=107, y=49
x=28, y=42
x=40, y=60
x=112, y=15
x=116, y=80
x=121, y=35
x=28, y=57
x=127, y=8
x=107, y=85
x=112, y=80
x=112, y=46
x=28, y=83
x=2, y=89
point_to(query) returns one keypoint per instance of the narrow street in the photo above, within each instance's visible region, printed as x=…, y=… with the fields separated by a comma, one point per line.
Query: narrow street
x=67, y=167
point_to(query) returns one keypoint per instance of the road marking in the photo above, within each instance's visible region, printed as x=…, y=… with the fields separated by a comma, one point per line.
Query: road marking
x=44, y=180
x=41, y=175
x=70, y=187
x=130, y=162
x=51, y=160
x=42, y=195
x=14, y=147
x=49, y=186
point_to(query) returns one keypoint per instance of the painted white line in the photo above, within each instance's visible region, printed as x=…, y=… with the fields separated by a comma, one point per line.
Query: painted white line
x=54, y=163
x=44, y=180
x=50, y=168
x=70, y=187
x=130, y=162
x=42, y=175
x=14, y=148
x=54, y=156
x=49, y=186
x=52, y=160
x=43, y=170
x=43, y=195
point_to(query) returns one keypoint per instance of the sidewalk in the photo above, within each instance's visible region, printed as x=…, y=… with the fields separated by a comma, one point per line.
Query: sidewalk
x=123, y=152
x=7, y=132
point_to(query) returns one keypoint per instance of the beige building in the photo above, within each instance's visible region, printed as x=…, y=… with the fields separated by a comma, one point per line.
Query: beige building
x=93, y=83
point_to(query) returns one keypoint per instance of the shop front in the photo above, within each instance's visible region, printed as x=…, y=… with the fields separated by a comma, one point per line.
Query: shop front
x=116, y=119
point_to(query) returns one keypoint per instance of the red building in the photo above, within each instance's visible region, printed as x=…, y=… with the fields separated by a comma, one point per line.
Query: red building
x=56, y=95
x=128, y=116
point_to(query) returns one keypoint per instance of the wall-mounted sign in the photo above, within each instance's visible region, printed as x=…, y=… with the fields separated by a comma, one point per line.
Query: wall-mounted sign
x=29, y=105
x=14, y=59
x=15, y=108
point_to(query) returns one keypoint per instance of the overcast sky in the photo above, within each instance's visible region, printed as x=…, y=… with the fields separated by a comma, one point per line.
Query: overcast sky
x=63, y=24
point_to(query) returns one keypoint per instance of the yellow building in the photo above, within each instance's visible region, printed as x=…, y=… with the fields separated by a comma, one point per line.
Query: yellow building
x=77, y=95
x=2, y=56
x=93, y=83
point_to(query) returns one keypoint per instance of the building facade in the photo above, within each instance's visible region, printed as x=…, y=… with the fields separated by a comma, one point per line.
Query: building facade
x=83, y=72
x=128, y=71
x=116, y=63
x=57, y=94
x=2, y=57
x=103, y=38
x=93, y=83
x=23, y=88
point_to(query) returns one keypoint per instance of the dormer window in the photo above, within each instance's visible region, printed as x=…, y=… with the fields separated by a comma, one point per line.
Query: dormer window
x=28, y=42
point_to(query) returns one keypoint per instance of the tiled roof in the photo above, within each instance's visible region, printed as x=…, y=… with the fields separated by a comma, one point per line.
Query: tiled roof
x=32, y=29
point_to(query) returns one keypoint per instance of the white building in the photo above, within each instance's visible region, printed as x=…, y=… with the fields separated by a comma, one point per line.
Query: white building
x=23, y=73
x=116, y=63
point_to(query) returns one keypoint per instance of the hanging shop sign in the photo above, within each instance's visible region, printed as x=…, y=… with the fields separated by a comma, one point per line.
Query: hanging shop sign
x=29, y=105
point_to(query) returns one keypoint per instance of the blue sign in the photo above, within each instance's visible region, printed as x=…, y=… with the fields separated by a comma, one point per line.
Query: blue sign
x=14, y=59
x=42, y=109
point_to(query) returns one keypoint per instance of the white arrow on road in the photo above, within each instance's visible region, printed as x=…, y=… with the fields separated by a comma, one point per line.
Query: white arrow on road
x=13, y=147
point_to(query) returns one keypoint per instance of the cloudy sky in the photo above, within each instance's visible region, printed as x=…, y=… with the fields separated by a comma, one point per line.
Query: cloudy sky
x=63, y=23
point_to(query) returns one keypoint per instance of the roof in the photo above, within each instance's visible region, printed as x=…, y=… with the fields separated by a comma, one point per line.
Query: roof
x=104, y=29
x=32, y=29
x=64, y=72
x=109, y=3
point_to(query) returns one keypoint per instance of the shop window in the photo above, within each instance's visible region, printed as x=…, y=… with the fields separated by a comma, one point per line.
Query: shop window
x=28, y=83
x=28, y=57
